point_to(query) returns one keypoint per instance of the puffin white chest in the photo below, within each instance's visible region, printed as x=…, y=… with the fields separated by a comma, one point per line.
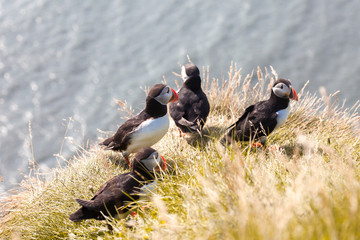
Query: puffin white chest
x=149, y=132
x=282, y=116
x=148, y=188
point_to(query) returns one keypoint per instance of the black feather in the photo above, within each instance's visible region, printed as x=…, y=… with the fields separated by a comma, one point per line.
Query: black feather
x=192, y=109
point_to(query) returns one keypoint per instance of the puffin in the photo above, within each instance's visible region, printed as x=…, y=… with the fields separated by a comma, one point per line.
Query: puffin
x=146, y=128
x=115, y=196
x=262, y=118
x=192, y=109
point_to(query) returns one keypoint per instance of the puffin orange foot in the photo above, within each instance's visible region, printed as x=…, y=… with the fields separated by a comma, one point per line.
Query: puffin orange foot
x=256, y=145
x=134, y=214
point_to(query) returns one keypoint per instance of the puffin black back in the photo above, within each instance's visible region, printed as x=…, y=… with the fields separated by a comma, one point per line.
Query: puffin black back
x=190, y=112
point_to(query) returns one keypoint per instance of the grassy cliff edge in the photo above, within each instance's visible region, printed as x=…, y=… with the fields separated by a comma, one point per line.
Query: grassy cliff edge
x=307, y=189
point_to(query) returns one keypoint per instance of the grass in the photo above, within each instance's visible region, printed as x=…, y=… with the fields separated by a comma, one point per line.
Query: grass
x=309, y=189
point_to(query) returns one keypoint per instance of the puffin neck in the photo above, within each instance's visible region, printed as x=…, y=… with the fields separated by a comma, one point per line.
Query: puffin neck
x=281, y=103
x=193, y=83
x=154, y=108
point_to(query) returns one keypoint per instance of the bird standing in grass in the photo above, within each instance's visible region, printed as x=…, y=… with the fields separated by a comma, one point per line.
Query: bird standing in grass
x=115, y=196
x=262, y=118
x=192, y=109
x=146, y=128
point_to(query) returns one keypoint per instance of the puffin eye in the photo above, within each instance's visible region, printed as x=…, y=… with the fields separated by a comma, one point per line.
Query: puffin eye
x=168, y=90
x=281, y=86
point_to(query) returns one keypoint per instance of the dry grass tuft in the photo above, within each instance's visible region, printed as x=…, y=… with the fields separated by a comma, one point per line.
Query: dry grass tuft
x=309, y=189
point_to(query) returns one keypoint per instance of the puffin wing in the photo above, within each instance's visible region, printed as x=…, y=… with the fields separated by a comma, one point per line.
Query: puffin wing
x=235, y=130
x=243, y=116
x=201, y=108
x=260, y=121
x=121, y=138
x=190, y=108
x=116, y=181
x=177, y=110
x=266, y=125
x=186, y=123
x=113, y=191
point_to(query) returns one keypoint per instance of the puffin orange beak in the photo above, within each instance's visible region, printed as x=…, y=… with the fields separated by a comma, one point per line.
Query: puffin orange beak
x=164, y=164
x=174, y=96
x=293, y=95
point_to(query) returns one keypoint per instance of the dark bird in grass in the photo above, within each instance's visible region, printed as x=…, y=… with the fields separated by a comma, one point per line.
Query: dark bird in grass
x=115, y=196
x=146, y=128
x=262, y=118
x=192, y=109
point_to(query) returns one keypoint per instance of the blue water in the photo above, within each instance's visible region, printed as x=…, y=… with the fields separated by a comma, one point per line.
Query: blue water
x=70, y=59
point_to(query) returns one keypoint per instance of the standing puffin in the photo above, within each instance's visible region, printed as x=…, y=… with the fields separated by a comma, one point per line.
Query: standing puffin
x=113, y=197
x=260, y=119
x=192, y=109
x=146, y=128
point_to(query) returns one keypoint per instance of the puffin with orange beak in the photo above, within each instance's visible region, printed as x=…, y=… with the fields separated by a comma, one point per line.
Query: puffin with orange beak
x=146, y=128
x=262, y=118
x=115, y=196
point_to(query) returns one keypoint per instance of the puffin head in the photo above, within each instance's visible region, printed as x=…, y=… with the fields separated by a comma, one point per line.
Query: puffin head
x=147, y=161
x=282, y=88
x=188, y=71
x=163, y=94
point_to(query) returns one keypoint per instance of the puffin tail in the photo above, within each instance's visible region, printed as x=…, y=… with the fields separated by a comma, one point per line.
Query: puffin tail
x=108, y=143
x=78, y=215
x=84, y=212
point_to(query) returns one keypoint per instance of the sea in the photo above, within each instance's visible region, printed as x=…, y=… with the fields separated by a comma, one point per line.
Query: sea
x=64, y=63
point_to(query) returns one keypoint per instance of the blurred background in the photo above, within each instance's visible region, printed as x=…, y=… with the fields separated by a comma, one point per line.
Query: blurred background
x=62, y=63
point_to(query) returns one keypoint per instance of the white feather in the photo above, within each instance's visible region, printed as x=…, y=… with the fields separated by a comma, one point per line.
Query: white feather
x=164, y=96
x=148, y=133
x=148, y=188
x=184, y=76
x=281, y=90
x=282, y=116
x=152, y=161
